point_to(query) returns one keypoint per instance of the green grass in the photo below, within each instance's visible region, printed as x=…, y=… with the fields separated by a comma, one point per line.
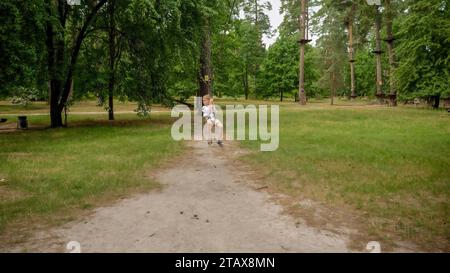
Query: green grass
x=392, y=165
x=6, y=107
x=53, y=172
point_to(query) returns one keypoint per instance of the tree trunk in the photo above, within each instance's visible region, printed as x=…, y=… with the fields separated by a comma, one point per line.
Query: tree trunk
x=260, y=40
x=60, y=75
x=55, y=62
x=333, y=85
x=55, y=112
x=303, y=41
x=351, y=54
x=256, y=13
x=436, y=101
x=112, y=58
x=246, y=87
x=205, y=78
x=378, y=52
x=55, y=117
x=390, y=43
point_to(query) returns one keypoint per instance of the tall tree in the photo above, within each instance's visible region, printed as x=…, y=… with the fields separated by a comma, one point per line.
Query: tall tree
x=332, y=46
x=423, y=50
x=226, y=45
x=290, y=10
x=389, y=10
x=112, y=57
x=255, y=11
x=351, y=50
x=279, y=71
x=256, y=22
x=205, y=77
x=378, y=55
x=61, y=66
x=211, y=12
x=304, y=39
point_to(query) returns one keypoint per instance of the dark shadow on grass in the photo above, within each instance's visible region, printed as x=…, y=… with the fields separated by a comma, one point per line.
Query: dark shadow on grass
x=11, y=127
x=121, y=123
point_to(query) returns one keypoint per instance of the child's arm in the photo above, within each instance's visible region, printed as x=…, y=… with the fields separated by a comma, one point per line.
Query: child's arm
x=212, y=107
x=205, y=111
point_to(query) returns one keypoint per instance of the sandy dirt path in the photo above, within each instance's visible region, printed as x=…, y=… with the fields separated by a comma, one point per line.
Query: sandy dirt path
x=206, y=205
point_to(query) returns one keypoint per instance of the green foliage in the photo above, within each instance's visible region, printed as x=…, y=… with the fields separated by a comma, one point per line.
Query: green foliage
x=238, y=50
x=229, y=66
x=423, y=50
x=25, y=96
x=365, y=71
x=279, y=72
x=256, y=13
x=158, y=48
x=92, y=74
x=291, y=11
x=332, y=46
x=21, y=47
x=143, y=109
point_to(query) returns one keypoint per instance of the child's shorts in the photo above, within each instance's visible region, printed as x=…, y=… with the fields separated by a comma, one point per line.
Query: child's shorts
x=214, y=122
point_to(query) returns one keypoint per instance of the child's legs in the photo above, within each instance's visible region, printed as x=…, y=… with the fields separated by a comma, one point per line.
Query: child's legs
x=218, y=131
x=209, y=125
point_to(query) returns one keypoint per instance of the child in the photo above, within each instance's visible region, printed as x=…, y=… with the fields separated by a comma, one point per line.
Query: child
x=209, y=112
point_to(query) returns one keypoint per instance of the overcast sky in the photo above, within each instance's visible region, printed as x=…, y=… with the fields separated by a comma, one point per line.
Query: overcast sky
x=275, y=20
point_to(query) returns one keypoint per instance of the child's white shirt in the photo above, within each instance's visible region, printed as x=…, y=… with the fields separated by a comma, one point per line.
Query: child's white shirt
x=209, y=112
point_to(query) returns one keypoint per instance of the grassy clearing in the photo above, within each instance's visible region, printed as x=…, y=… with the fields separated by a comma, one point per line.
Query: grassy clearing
x=45, y=173
x=392, y=165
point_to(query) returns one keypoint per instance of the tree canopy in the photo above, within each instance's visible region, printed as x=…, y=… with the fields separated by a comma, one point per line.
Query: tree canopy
x=153, y=51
